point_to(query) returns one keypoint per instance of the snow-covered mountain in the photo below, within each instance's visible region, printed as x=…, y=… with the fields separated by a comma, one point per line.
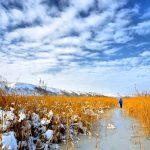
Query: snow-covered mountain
x=30, y=89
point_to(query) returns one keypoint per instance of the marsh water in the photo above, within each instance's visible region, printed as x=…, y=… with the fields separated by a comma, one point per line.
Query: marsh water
x=127, y=135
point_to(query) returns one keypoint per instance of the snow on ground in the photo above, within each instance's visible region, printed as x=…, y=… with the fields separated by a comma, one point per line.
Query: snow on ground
x=9, y=141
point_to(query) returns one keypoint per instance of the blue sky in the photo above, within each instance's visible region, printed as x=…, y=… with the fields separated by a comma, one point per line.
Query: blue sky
x=82, y=45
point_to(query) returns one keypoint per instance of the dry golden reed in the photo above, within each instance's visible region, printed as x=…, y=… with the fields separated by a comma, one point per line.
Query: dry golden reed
x=139, y=108
x=61, y=105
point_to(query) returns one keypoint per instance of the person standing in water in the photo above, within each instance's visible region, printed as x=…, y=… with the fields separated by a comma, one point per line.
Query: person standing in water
x=120, y=102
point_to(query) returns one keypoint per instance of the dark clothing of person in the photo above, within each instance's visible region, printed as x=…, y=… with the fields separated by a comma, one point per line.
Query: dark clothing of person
x=121, y=102
x=120, y=105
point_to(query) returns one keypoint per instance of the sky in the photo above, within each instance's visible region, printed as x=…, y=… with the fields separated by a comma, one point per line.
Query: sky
x=101, y=46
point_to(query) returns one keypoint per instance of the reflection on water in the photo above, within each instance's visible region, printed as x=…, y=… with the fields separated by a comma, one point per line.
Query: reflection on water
x=126, y=136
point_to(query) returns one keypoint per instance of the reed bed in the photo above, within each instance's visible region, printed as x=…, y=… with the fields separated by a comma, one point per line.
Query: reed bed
x=64, y=118
x=58, y=104
x=139, y=108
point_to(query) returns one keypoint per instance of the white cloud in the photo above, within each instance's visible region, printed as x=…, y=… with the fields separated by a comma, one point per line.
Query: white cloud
x=4, y=19
x=145, y=54
x=67, y=50
x=142, y=28
x=82, y=5
x=146, y=15
x=16, y=16
x=122, y=37
x=114, y=4
x=111, y=51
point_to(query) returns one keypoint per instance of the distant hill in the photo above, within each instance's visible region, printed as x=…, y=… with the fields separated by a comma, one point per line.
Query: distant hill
x=30, y=89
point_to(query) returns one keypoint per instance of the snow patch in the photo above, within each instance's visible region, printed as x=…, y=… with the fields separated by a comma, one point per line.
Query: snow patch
x=9, y=141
